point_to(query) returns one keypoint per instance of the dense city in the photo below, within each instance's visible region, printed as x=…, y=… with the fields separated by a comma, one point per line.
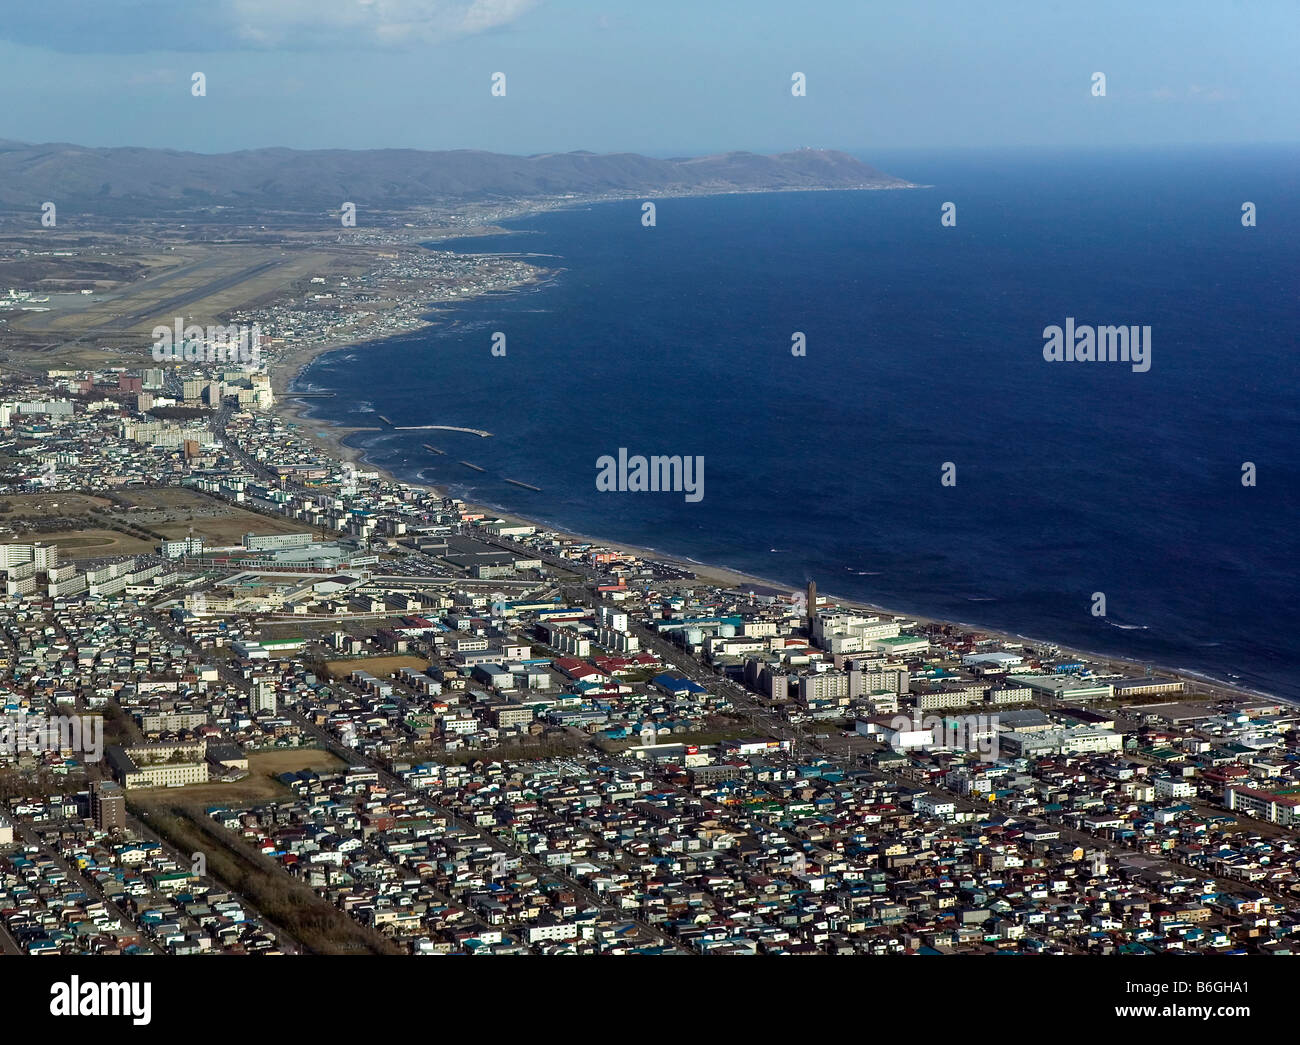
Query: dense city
x=259, y=699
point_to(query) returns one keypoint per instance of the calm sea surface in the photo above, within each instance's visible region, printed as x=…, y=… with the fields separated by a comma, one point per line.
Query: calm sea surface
x=924, y=346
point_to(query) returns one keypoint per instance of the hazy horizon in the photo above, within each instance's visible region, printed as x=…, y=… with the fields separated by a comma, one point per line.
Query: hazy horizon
x=680, y=80
x=874, y=155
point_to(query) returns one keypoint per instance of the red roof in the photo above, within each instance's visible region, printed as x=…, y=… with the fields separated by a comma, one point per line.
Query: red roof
x=576, y=668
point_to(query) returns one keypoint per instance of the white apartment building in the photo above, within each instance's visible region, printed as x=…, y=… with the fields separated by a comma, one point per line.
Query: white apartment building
x=850, y=632
x=615, y=620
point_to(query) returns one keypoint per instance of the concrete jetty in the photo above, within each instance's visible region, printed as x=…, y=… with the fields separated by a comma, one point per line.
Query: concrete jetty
x=437, y=428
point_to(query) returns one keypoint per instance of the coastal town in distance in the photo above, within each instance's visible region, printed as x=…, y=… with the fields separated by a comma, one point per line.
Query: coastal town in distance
x=523, y=480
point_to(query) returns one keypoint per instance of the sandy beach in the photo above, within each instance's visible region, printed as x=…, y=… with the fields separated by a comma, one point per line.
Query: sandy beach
x=330, y=438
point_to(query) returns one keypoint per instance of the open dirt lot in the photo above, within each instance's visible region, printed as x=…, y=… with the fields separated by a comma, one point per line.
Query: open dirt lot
x=259, y=786
x=377, y=666
x=60, y=503
x=173, y=511
x=91, y=544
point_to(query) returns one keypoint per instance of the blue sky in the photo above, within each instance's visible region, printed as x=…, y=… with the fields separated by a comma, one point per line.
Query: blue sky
x=666, y=77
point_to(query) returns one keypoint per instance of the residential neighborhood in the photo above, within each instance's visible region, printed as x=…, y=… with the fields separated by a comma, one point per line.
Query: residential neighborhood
x=451, y=733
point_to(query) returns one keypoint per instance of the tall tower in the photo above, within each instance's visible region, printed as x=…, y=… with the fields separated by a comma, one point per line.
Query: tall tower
x=812, y=604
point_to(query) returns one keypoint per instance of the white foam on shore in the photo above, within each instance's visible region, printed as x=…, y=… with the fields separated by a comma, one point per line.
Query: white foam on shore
x=1201, y=676
x=466, y=492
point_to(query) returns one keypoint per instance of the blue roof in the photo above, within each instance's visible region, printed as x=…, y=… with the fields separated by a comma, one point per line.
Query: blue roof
x=677, y=683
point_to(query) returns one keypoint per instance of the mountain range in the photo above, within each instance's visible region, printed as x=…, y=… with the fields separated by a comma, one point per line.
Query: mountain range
x=147, y=181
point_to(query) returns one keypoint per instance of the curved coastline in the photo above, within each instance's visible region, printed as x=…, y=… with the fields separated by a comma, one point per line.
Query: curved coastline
x=334, y=437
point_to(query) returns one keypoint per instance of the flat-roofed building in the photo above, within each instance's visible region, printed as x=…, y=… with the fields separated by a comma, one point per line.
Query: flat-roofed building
x=830, y=685
x=505, y=715
x=1008, y=693
x=1096, y=719
x=934, y=695
x=158, y=765
x=1028, y=720
x=850, y=632
x=1148, y=686
x=1076, y=740
x=1280, y=807
x=1066, y=687
x=170, y=721
x=1178, y=714
x=900, y=645
x=1001, y=659
x=107, y=805
x=900, y=732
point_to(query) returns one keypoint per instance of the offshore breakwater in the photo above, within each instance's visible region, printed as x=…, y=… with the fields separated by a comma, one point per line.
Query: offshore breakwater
x=924, y=348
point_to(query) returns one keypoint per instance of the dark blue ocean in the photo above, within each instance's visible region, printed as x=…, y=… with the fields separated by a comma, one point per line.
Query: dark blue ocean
x=924, y=346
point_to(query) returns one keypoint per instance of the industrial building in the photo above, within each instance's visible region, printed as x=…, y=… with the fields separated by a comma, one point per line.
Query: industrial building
x=1066, y=687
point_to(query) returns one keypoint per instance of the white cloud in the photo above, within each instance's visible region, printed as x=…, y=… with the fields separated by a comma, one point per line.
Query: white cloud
x=367, y=23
